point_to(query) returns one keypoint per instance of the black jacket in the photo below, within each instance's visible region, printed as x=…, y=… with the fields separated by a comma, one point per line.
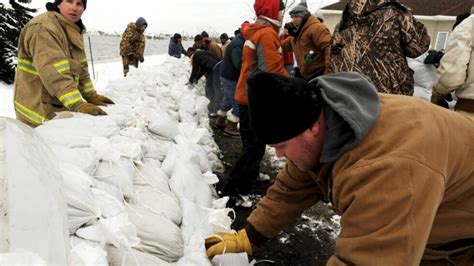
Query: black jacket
x=203, y=62
x=233, y=59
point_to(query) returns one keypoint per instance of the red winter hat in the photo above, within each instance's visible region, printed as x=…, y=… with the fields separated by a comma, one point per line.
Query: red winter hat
x=268, y=8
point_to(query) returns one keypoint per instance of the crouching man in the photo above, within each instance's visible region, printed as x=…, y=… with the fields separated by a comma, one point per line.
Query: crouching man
x=397, y=169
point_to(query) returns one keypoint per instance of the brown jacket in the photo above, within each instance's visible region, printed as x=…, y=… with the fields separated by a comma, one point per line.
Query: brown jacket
x=215, y=49
x=133, y=42
x=52, y=73
x=408, y=184
x=374, y=38
x=314, y=36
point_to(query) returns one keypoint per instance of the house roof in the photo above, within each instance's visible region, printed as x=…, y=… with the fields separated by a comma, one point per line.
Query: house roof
x=425, y=7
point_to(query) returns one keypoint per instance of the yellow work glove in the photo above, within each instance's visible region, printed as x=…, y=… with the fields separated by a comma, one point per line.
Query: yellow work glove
x=222, y=243
x=98, y=99
x=88, y=108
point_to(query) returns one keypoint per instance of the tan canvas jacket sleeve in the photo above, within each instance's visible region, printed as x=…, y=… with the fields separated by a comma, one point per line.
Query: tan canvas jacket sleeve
x=381, y=226
x=293, y=192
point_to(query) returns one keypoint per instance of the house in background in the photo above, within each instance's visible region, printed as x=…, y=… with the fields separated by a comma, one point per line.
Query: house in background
x=437, y=15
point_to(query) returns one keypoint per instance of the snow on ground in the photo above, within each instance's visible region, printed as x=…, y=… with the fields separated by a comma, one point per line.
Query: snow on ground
x=137, y=182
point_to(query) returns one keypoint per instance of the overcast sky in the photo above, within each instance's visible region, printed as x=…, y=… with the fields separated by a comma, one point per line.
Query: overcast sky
x=169, y=16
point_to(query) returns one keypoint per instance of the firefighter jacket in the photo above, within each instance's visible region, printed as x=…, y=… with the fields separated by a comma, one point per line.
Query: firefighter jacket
x=52, y=73
x=133, y=42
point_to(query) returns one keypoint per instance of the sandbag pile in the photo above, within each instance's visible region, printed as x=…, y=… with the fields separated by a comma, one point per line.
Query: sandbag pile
x=138, y=182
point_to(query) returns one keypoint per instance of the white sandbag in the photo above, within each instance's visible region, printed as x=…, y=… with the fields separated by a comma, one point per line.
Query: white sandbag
x=188, y=182
x=121, y=114
x=81, y=204
x=21, y=257
x=149, y=174
x=108, y=205
x=112, y=190
x=156, y=148
x=231, y=259
x=158, y=202
x=117, y=257
x=81, y=157
x=30, y=179
x=78, y=130
x=162, y=124
x=124, y=147
x=118, y=173
x=158, y=234
x=196, y=258
x=120, y=231
x=186, y=103
x=86, y=254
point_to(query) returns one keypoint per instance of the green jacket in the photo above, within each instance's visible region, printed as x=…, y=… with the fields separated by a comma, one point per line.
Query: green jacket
x=52, y=73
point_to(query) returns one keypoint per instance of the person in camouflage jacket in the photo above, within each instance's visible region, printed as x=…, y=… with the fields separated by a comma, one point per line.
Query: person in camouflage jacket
x=132, y=45
x=52, y=73
x=374, y=37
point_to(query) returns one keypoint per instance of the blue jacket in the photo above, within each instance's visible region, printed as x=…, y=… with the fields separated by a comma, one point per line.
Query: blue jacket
x=175, y=49
x=233, y=59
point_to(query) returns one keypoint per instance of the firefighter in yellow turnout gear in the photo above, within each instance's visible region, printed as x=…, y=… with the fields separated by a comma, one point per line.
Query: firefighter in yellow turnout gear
x=132, y=45
x=52, y=73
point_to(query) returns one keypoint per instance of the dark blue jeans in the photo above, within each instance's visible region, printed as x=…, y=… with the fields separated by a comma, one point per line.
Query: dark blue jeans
x=247, y=167
x=214, y=89
x=228, y=101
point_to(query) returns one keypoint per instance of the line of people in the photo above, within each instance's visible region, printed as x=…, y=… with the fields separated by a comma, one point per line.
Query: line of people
x=396, y=168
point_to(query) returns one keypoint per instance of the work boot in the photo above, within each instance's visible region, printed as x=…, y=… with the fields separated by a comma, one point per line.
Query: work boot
x=231, y=129
x=220, y=122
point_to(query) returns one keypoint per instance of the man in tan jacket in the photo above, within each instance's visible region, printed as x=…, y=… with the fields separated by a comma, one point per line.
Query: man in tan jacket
x=52, y=73
x=397, y=169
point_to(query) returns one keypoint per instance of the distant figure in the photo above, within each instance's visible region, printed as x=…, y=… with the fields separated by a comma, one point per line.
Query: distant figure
x=456, y=69
x=175, y=47
x=310, y=42
x=288, y=56
x=132, y=46
x=374, y=37
x=208, y=64
x=202, y=41
x=52, y=73
x=224, y=42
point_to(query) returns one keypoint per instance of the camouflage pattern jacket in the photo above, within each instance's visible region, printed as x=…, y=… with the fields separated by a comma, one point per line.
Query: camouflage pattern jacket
x=133, y=42
x=374, y=38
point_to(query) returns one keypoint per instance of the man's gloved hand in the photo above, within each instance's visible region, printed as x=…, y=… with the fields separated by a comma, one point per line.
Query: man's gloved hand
x=228, y=243
x=441, y=100
x=98, y=99
x=142, y=59
x=88, y=108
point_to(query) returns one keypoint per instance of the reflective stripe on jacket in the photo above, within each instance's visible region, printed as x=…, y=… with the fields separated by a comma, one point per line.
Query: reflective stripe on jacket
x=52, y=73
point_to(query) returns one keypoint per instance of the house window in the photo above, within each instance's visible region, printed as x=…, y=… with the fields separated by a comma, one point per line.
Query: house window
x=441, y=40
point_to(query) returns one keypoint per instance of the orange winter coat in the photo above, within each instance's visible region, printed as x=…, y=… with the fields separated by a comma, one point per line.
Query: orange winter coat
x=314, y=36
x=406, y=186
x=262, y=51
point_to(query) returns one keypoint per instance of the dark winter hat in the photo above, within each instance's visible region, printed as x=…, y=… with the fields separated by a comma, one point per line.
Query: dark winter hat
x=300, y=10
x=224, y=36
x=204, y=34
x=198, y=37
x=141, y=21
x=281, y=107
x=84, y=2
x=177, y=36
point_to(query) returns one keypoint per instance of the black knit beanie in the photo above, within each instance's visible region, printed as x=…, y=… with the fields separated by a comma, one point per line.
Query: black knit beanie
x=281, y=107
x=84, y=2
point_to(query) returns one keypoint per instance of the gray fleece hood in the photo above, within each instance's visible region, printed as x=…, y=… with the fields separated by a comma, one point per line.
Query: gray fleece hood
x=351, y=109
